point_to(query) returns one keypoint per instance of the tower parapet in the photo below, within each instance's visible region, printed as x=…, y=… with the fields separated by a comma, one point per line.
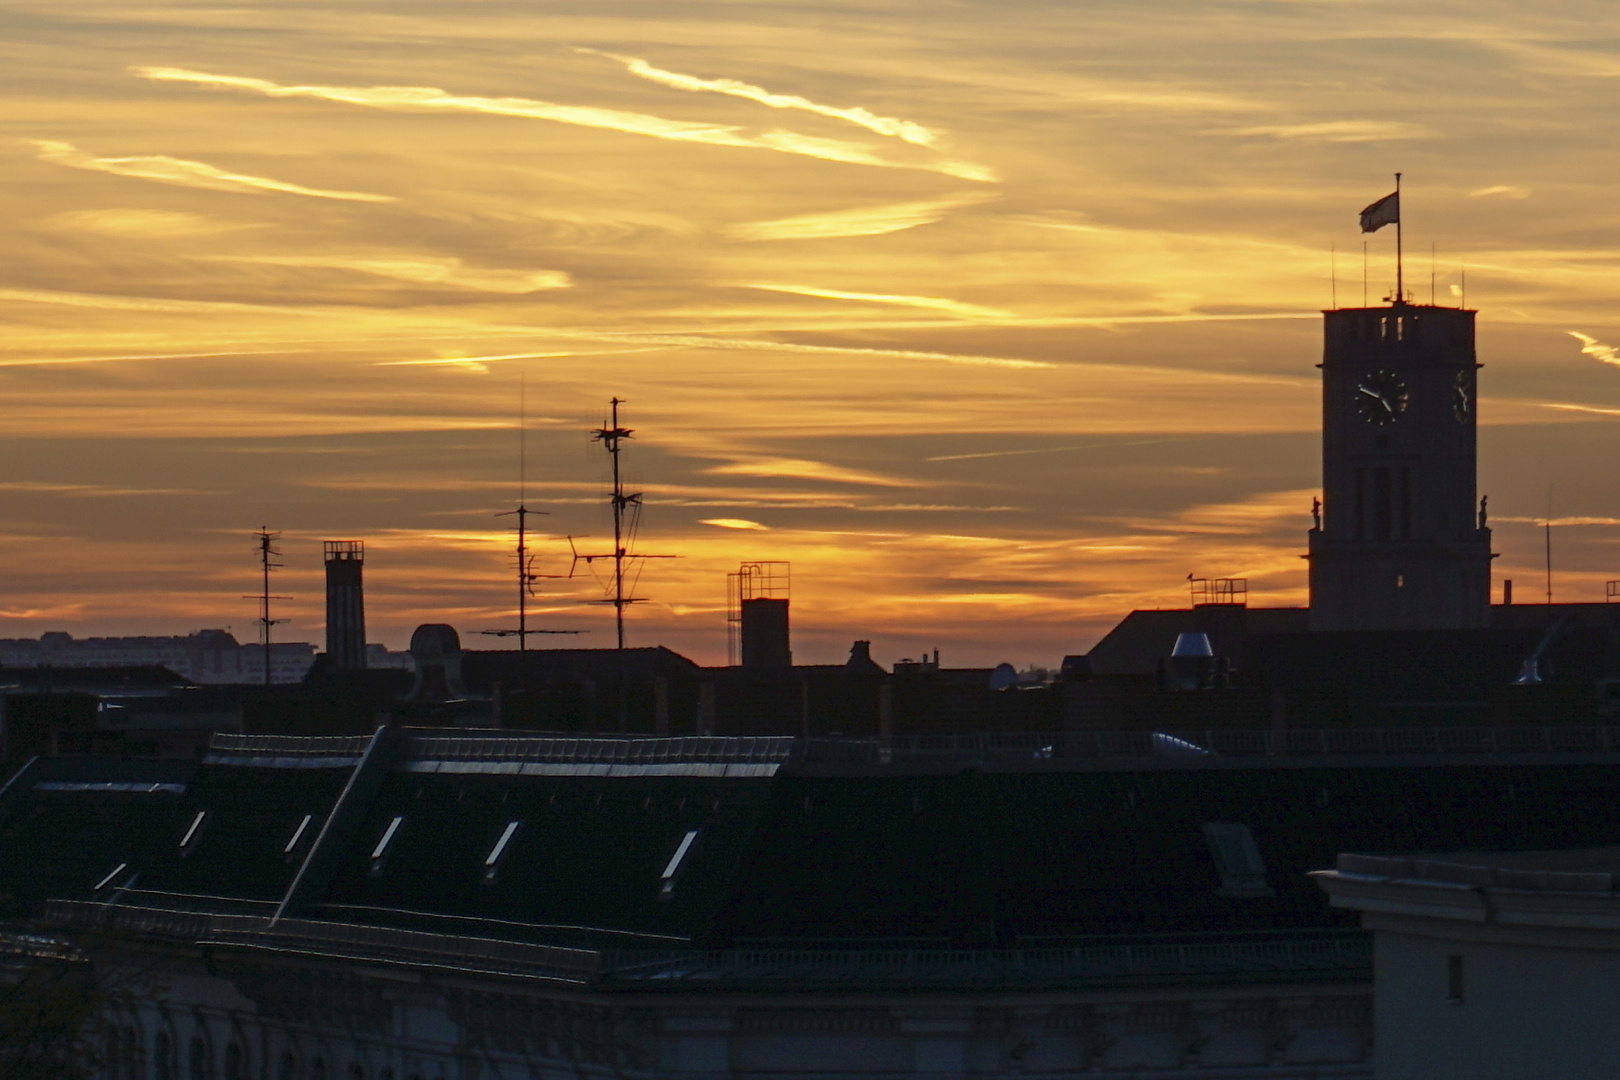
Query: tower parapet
x=345, y=604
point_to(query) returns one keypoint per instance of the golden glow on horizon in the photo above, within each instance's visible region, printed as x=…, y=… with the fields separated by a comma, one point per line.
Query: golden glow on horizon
x=996, y=322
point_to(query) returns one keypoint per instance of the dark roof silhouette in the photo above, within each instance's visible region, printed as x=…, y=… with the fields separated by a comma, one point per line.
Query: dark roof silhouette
x=718, y=842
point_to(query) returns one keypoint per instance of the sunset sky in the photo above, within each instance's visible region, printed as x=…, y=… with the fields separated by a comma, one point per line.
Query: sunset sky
x=996, y=320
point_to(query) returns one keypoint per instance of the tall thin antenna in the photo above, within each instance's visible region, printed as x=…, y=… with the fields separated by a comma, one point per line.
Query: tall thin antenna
x=1432, y=252
x=1464, y=297
x=267, y=550
x=1400, y=280
x=1548, y=523
x=626, y=507
x=1333, y=256
x=526, y=577
x=1364, y=273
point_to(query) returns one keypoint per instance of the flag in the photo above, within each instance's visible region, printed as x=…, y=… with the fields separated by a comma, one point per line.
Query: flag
x=1386, y=211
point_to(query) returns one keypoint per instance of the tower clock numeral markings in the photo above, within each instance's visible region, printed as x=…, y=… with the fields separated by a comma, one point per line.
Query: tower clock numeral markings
x=1382, y=397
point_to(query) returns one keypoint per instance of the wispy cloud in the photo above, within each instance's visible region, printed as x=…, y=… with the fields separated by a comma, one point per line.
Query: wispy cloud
x=1335, y=131
x=1053, y=449
x=135, y=223
x=197, y=174
x=857, y=221
x=419, y=269
x=884, y=125
x=1570, y=407
x=89, y=490
x=1505, y=190
x=700, y=341
x=800, y=469
x=1591, y=346
x=433, y=99
x=930, y=303
x=733, y=523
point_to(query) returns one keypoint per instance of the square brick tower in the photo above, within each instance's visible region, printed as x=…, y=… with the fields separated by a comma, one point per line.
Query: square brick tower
x=1401, y=542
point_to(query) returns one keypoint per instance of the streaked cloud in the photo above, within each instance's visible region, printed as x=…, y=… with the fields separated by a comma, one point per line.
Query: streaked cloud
x=1335, y=131
x=419, y=269
x=800, y=469
x=732, y=523
x=137, y=223
x=1591, y=346
x=91, y=490
x=698, y=341
x=929, y=303
x=858, y=221
x=197, y=174
x=893, y=127
x=433, y=99
x=1505, y=190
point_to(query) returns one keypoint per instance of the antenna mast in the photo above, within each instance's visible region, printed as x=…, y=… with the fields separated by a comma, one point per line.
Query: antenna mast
x=526, y=577
x=1548, y=527
x=1400, y=280
x=621, y=501
x=267, y=549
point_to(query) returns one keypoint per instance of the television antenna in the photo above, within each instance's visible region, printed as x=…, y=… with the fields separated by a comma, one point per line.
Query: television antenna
x=526, y=577
x=626, y=507
x=267, y=551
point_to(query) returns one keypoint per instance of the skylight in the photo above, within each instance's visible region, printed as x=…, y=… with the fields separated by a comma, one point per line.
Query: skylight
x=298, y=834
x=1237, y=859
x=500, y=845
x=675, y=861
x=387, y=837
x=191, y=833
x=104, y=882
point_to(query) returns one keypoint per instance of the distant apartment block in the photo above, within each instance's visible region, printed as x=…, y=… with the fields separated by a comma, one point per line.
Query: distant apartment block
x=207, y=656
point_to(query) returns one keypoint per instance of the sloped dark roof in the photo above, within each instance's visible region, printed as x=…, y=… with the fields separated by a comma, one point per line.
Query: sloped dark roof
x=950, y=856
x=66, y=823
x=1136, y=644
x=113, y=680
x=480, y=670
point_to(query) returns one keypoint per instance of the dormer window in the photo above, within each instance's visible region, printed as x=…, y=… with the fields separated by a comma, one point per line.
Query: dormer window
x=193, y=832
x=298, y=834
x=666, y=886
x=1237, y=860
x=492, y=860
x=381, y=849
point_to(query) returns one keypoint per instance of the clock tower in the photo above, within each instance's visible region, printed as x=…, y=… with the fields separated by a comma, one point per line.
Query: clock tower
x=1399, y=542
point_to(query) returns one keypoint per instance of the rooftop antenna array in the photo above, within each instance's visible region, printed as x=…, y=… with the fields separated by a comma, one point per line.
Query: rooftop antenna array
x=267, y=551
x=626, y=507
x=752, y=581
x=526, y=577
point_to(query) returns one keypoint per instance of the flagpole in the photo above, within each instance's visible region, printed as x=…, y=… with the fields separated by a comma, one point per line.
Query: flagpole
x=1400, y=279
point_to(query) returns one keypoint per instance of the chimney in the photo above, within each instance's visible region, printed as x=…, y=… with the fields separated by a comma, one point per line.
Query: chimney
x=345, y=605
x=765, y=634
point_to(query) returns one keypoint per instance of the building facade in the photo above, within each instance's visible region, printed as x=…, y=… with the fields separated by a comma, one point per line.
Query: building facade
x=1491, y=966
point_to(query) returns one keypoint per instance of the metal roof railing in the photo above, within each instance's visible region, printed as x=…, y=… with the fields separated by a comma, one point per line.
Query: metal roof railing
x=592, y=750
x=1208, y=745
x=227, y=748
x=375, y=944
x=1331, y=954
x=1345, y=953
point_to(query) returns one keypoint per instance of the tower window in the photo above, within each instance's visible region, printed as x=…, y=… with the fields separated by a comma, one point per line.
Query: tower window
x=1406, y=502
x=1381, y=504
x=1361, y=504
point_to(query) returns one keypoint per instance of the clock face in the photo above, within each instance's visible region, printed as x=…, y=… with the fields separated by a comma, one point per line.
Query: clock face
x=1381, y=397
x=1462, y=396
